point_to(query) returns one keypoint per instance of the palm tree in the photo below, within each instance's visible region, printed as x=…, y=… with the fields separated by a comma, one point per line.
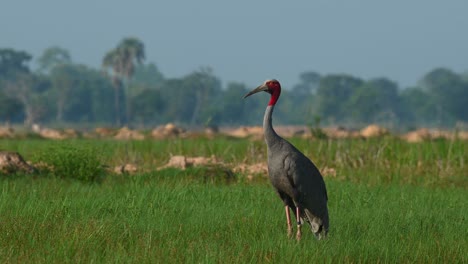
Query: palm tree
x=132, y=51
x=112, y=60
x=122, y=61
x=52, y=57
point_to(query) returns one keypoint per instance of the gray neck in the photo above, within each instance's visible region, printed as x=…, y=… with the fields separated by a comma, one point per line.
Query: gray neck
x=270, y=135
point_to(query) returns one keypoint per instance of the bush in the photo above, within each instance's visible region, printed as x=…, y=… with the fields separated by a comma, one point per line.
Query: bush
x=74, y=162
x=316, y=131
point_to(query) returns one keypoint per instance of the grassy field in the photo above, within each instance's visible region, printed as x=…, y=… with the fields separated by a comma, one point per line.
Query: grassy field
x=390, y=201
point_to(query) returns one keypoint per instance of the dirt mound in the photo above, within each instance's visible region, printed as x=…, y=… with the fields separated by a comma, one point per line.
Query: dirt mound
x=337, y=132
x=328, y=172
x=417, y=135
x=244, y=131
x=463, y=135
x=183, y=162
x=128, y=168
x=71, y=133
x=51, y=133
x=42, y=166
x=211, y=131
x=424, y=134
x=443, y=134
x=373, y=131
x=252, y=170
x=167, y=131
x=241, y=132
x=104, y=131
x=6, y=132
x=12, y=162
x=127, y=134
x=293, y=131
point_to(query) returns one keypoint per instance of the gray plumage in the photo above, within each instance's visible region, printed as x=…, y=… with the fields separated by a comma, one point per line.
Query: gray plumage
x=296, y=179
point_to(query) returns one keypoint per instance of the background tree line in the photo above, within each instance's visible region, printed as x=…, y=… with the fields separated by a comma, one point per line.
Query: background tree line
x=128, y=91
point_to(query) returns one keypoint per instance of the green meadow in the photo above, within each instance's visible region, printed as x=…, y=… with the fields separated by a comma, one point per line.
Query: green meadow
x=390, y=202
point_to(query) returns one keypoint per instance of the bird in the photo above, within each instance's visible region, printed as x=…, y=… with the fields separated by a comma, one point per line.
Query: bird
x=295, y=177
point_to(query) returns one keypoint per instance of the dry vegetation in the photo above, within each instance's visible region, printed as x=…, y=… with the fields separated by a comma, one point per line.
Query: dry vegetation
x=170, y=131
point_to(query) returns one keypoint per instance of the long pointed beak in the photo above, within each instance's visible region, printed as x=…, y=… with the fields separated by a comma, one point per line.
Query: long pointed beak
x=261, y=88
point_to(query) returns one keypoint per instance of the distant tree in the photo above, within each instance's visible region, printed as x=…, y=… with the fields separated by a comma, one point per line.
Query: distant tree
x=10, y=108
x=300, y=98
x=147, y=75
x=464, y=76
x=150, y=106
x=332, y=97
x=122, y=61
x=101, y=91
x=53, y=57
x=89, y=95
x=63, y=79
x=418, y=108
x=27, y=88
x=113, y=60
x=234, y=110
x=292, y=110
x=449, y=92
x=377, y=100
x=180, y=102
x=21, y=85
x=13, y=62
x=309, y=82
x=194, y=99
x=206, y=86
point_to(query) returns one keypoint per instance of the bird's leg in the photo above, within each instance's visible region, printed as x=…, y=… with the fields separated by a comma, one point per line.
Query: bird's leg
x=288, y=219
x=298, y=217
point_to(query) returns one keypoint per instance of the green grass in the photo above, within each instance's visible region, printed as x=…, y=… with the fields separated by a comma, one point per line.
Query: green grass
x=389, y=202
x=440, y=163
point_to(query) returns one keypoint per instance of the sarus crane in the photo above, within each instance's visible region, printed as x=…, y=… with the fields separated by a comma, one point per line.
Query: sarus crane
x=296, y=179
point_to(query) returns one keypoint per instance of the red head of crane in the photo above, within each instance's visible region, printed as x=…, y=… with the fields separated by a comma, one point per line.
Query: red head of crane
x=296, y=179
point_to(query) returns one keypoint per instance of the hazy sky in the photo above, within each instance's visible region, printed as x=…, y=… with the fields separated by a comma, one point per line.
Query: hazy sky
x=251, y=41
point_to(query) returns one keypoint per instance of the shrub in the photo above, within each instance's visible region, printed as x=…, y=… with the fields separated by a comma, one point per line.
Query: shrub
x=74, y=162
